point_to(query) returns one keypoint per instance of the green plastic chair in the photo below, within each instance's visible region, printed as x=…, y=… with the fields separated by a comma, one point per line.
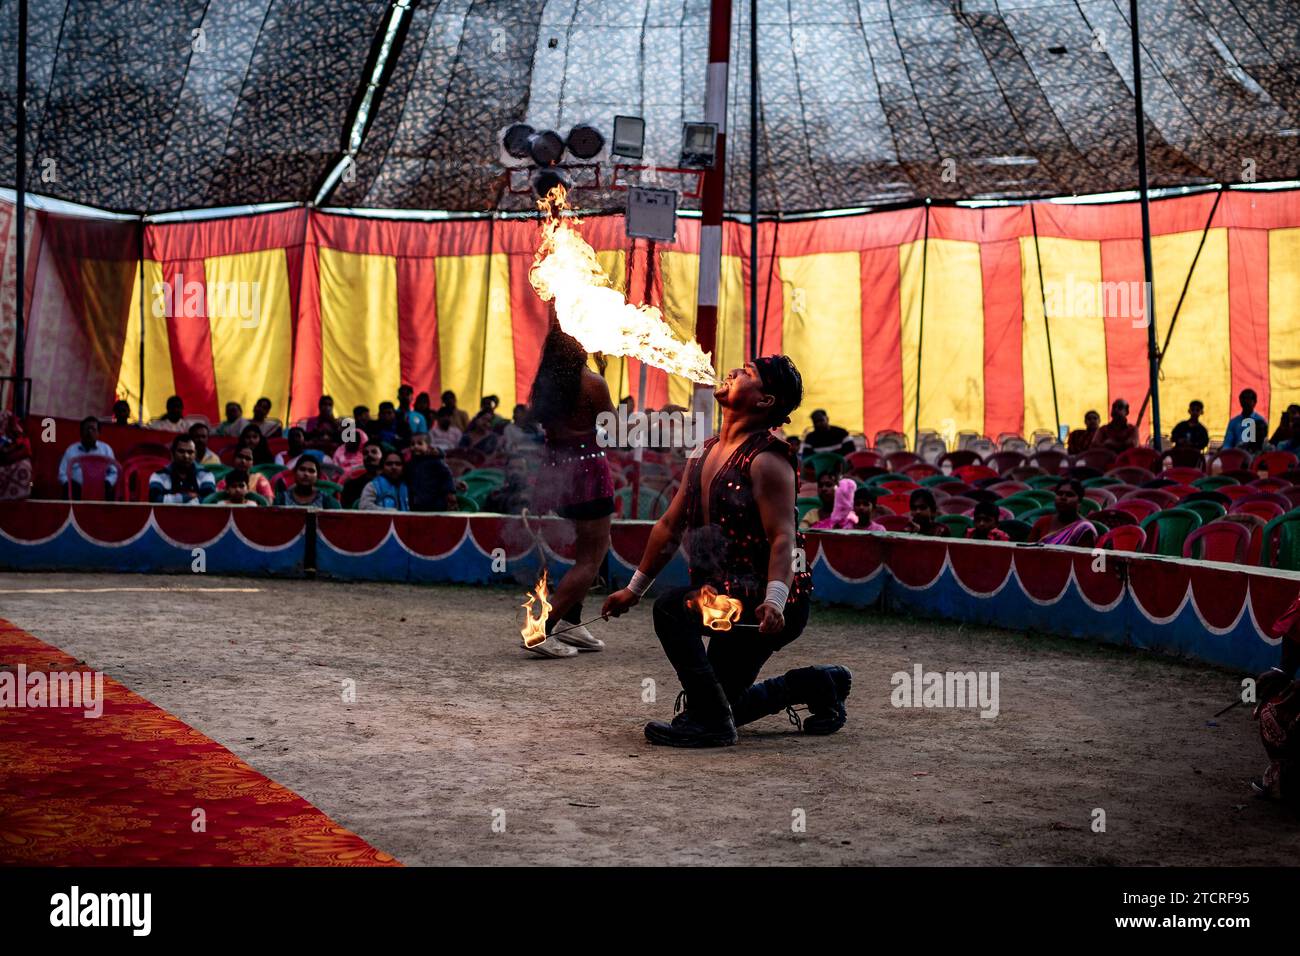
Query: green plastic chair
x=1020, y=504
x=1087, y=506
x=1016, y=529
x=217, y=471
x=875, y=480
x=824, y=461
x=1044, y=481
x=1214, y=482
x=1172, y=526
x=1101, y=482
x=329, y=487
x=1208, y=510
x=1029, y=517
x=466, y=503
x=804, y=505
x=957, y=524
x=933, y=480
x=495, y=476
x=270, y=470
x=1041, y=495
x=1283, y=535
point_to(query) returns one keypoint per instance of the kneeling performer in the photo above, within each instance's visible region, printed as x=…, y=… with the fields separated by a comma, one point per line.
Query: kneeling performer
x=737, y=500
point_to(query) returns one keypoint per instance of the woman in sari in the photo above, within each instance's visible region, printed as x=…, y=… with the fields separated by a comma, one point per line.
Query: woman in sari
x=15, y=459
x=842, y=514
x=1066, y=526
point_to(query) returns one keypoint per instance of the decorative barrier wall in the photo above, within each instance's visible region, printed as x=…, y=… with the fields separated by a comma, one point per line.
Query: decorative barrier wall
x=1212, y=612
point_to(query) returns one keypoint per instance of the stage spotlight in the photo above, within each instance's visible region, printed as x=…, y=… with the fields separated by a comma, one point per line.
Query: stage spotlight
x=515, y=140
x=544, y=180
x=629, y=137
x=585, y=142
x=546, y=148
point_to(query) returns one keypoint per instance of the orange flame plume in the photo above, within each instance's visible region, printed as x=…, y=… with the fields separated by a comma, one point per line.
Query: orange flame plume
x=565, y=269
x=534, y=630
x=718, y=611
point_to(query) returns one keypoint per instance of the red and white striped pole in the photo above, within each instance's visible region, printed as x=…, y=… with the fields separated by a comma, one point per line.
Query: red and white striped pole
x=713, y=195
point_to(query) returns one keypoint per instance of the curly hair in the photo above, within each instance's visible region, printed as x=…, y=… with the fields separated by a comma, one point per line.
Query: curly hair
x=558, y=383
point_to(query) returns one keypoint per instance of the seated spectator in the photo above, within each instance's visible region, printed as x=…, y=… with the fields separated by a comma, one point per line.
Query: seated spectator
x=202, y=453
x=445, y=435
x=826, y=437
x=297, y=445
x=235, y=490
x=348, y=455
x=424, y=406
x=795, y=443
x=386, y=430
x=826, y=486
x=235, y=421
x=1248, y=430
x=924, y=510
x=303, y=493
x=430, y=486
x=174, y=420
x=121, y=414
x=361, y=418
x=181, y=482
x=386, y=491
x=480, y=436
x=408, y=418
x=1287, y=436
x=842, y=515
x=986, y=524
x=372, y=457
x=1080, y=439
x=1190, y=433
x=253, y=438
x=1117, y=434
x=15, y=459
x=268, y=426
x=258, y=483
x=459, y=417
x=70, y=474
x=521, y=434
x=323, y=426
x=1066, y=526
x=490, y=404
x=514, y=496
x=864, y=506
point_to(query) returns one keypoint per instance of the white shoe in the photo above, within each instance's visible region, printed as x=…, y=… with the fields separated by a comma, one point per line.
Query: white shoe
x=581, y=638
x=551, y=647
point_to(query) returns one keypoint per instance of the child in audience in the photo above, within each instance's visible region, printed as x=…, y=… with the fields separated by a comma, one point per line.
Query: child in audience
x=924, y=510
x=986, y=524
x=236, y=491
x=864, y=506
x=842, y=515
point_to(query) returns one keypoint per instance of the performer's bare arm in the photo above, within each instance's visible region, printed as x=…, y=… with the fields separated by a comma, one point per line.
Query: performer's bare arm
x=774, y=491
x=665, y=539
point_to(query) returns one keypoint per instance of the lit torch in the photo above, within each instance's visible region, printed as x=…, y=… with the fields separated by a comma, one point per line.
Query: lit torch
x=565, y=269
x=534, y=630
x=718, y=611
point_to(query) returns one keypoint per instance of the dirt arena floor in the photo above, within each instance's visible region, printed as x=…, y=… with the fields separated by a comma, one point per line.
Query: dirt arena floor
x=454, y=723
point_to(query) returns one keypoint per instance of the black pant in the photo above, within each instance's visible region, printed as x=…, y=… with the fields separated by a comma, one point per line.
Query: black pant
x=733, y=658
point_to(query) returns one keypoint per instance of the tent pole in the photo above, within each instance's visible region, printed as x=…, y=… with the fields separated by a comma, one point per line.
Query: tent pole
x=920, y=331
x=1047, y=325
x=753, y=178
x=20, y=210
x=1153, y=354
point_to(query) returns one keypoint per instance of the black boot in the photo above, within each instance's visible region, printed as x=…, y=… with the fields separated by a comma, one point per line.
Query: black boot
x=824, y=689
x=769, y=696
x=708, y=723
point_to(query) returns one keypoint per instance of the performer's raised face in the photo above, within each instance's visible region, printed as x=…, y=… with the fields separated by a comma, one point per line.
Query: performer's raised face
x=742, y=390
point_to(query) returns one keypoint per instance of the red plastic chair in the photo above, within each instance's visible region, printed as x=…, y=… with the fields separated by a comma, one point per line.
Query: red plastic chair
x=957, y=505
x=1145, y=458
x=133, y=477
x=1127, y=537
x=894, y=522
x=1161, y=496
x=1218, y=541
x=1180, y=491
x=1139, y=508
x=93, y=470
x=959, y=458
x=974, y=473
x=1004, y=462
x=921, y=470
x=1229, y=459
x=1272, y=496
x=1292, y=495
x=866, y=459
x=1052, y=461
x=899, y=487
x=903, y=459
x=1102, y=459
x=147, y=449
x=1184, y=457
x=895, y=504
x=1274, y=462
x=1102, y=496
x=1184, y=476
x=1254, y=524
x=1112, y=517
x=1005, y=489
x=954, y=487
x=1130, y=475
x=1236, y=492
x=1270, y=484
x=1268, y=510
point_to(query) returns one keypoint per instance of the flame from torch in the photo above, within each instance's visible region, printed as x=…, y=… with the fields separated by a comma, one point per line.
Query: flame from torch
x=534, y=630
x=565, y=269
x=718, y=611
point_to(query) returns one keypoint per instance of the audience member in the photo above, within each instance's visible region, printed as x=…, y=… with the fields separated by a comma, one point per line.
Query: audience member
x=386, y=430
x=121, y=414
x=297, y=445
x=521, y=434
x=1066, y=526
x=181, y=482
x=408, y=418
x=1190, y=433
x=1287, y=436
x=386, y=491
x=253, y=438
x=1248, y=430
x=864, y=506
x=986, y=528
x=512, y=497
x=842, y=515
x=489, y=404
x=303, y=493
x=430, y=486
x=323, y=426
x=348, y=455
x=174, y=420
x=425, y=407
x=1117, y=434
x=826, y=485
x=234, y=423
x=924, y=510
x=15, y=459
x=70, y=472
x=459, y=417
x=234, y=490
x=481, y=437
x=372, y=457
x=258, y=483
x=445, y=435
x=1080, y=440
x=269, y=427
x=203, y=455
x=826, y=437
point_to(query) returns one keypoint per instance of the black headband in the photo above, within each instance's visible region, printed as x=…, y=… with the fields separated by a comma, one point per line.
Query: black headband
x=782, y=381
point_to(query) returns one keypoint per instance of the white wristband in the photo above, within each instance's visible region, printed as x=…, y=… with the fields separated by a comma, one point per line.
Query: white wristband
x=640, y=583
x=777, y=593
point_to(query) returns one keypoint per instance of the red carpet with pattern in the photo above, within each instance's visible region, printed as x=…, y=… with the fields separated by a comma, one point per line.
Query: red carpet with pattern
x=122, y=789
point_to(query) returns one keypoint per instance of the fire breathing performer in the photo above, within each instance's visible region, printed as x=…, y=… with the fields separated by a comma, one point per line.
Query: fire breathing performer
x=738, y=503
x=575, y=482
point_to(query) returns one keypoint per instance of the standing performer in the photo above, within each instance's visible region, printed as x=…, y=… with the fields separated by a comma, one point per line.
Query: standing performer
x=738, y=502
x=575, y=482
